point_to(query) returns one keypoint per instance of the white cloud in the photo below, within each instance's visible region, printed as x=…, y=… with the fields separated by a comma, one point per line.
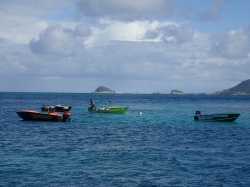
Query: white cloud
x=235, y=44
x=128, y=46
x=15, y=32
x=116, y=31
x=10, y=69
x=58, y=40
x=20, y=21
x=140, y=31
x=129, y=63
x=173, y=33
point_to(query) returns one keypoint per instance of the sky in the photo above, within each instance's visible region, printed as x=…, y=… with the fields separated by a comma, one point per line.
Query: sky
x=129, y=46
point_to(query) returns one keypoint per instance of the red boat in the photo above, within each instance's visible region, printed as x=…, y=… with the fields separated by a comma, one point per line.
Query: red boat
x=58, y=108
x=33, y=115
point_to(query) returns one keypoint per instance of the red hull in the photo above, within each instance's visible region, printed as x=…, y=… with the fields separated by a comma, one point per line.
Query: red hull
x=32, y=115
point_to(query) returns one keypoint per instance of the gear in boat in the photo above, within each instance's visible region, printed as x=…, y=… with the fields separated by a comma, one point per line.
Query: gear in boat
x=58, y=108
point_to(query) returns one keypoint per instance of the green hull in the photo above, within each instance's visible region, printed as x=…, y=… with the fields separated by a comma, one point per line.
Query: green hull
x=109, y=110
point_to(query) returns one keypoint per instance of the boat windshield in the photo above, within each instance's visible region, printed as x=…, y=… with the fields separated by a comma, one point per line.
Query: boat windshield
x=103, y=102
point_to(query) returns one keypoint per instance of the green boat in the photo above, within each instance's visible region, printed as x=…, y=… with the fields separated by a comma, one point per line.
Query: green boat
x=109, y=110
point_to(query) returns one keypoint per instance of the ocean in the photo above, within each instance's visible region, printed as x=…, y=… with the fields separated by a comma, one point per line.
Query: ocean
x=156, y=142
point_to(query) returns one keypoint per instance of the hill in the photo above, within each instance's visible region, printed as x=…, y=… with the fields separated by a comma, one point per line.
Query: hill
x=177, y=92
x=102, y=89
x=241, y=89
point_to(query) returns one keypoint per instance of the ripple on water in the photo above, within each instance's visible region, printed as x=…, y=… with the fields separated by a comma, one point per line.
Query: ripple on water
x=163, y=146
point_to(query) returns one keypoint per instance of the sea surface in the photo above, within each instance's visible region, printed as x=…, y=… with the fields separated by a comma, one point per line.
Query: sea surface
x=155, y=143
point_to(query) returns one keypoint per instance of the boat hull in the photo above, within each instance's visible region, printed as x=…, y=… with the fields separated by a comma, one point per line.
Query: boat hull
x=220, y=117
x=109, y=110
x=32, y=115
x=57, y=108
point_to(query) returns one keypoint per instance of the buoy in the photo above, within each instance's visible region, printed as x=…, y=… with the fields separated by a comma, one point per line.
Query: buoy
x=140, y=113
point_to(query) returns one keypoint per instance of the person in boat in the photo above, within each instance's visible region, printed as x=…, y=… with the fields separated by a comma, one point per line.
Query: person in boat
x=198, y=112
x=92, y=104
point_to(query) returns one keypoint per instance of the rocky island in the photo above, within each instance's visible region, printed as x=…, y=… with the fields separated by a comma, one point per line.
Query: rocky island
x=241, y=89
x=102, y=89
x=177, y=92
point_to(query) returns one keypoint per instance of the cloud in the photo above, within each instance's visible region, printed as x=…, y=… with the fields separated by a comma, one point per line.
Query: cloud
x=126, y=66
x=235, y=44
x=139, y=31
x=129, y=10
x=82, y=31
x=10, y=68
x=213, y=13
x=124, y=48
x=58, y=40
x=2, y=40
x=176, y=34
x=22, y=21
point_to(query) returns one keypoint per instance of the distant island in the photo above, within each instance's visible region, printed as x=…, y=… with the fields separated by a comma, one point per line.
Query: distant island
x=103, y=89
x=177, y=92
x=241, y=89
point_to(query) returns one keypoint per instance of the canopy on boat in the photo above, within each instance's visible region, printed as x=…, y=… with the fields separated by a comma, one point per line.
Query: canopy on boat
x=103, y=102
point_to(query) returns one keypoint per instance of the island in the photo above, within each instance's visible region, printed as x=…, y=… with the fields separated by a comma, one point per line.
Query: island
x=177, y=92
x=103, y=89
x=241, y=89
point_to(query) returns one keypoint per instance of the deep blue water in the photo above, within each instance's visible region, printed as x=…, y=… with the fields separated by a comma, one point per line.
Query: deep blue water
x=163, y=146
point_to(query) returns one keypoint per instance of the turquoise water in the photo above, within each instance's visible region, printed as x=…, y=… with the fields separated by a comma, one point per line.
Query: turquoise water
x=162, y=146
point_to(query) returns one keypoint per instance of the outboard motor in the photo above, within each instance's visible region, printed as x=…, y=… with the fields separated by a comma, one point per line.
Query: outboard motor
x=66, y=116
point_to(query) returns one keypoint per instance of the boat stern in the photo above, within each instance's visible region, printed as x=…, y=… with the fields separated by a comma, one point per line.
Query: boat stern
x=66, y=116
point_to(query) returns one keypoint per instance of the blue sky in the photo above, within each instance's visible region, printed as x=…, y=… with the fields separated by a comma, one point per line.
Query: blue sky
x=128, y=46
x=231, y=16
